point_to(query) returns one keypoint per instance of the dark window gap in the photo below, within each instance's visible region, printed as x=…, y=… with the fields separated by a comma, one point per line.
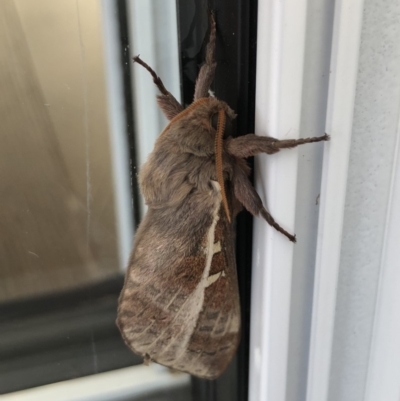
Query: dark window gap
x=235, y=84
x=126, y=63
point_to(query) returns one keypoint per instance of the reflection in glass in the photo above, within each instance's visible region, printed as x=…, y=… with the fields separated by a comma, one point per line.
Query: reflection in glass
x=65, y=218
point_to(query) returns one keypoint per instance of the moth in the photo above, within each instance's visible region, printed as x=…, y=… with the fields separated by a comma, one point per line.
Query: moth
x=180, y=302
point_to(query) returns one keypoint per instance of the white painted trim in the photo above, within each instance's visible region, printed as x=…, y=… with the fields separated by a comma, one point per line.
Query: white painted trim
x=280, y=60
x=145, y=39
x=142, y=39
x=153, y=35
x=118, y=139
x=344, y=68
x=128, y=383
x=383, y=379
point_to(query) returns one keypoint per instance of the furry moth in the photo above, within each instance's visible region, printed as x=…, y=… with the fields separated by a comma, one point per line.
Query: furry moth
x=180, y=303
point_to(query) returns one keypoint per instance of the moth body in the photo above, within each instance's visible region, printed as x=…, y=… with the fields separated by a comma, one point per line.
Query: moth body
x=180, y=302
x=182, y=318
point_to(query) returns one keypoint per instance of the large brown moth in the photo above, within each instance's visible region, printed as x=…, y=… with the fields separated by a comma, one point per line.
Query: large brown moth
x=180, y=302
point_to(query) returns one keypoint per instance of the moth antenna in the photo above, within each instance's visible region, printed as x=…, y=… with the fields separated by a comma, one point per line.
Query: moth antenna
x=167, y=102
x=210, y=50
x=218, y=160
x=156, y=78
x=207, y=70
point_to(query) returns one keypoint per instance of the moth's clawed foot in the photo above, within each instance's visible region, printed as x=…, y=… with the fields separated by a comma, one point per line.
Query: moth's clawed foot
x=326, y=137
x=271, y=221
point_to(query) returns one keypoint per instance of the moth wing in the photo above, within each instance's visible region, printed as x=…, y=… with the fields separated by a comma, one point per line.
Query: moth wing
x=180, y=304
x=217, y=333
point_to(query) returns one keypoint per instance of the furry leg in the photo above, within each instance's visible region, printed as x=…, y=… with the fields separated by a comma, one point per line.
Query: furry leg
x=249, y=198
x=168, y=104
x=250, y=145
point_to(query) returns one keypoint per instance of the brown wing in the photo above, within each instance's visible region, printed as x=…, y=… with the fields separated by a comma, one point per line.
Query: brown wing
x=180, y=305
x=216, y=336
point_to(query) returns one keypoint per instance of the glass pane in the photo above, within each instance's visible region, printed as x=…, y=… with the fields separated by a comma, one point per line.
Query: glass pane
x=69, y=140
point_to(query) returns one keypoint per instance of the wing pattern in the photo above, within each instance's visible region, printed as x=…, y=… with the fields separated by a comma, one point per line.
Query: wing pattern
x=181, y=308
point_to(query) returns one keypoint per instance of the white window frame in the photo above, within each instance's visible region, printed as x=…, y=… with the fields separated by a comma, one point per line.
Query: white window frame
x=281, y=63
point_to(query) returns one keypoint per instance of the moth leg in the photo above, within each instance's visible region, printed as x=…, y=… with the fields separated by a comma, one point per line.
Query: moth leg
x=168, y=104
x=207, y=70
x=249, y=198
x=292, y=143
x=250, y=145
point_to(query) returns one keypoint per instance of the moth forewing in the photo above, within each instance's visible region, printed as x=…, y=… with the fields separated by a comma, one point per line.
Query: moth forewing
x=179, y=314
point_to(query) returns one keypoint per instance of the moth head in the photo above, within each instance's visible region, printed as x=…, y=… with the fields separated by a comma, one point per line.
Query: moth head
x=228, y=124
x=229, y=117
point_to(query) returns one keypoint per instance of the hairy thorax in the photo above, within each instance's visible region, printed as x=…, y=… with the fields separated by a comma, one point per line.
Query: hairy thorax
x=183, y=159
